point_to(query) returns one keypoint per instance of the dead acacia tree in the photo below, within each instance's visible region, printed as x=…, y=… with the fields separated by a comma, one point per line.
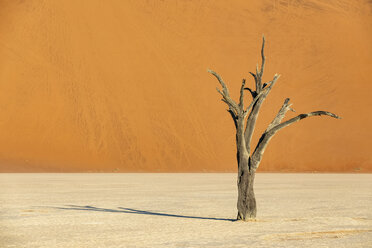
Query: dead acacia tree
x=245, y=120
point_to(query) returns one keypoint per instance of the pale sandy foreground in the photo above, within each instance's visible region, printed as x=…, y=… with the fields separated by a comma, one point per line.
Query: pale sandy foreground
x=183, y=210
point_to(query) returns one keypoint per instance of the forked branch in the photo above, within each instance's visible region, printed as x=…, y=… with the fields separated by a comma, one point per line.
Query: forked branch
x=279, y=117
x=275, y=126
x=302, y=116
x=237, y=110
x=259, y=72
x=225, y=94
x=252, y=117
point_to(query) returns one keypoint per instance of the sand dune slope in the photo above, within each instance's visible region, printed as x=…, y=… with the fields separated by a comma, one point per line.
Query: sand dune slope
x=122, y=85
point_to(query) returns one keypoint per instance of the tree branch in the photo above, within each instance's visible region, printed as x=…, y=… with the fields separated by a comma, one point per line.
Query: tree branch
x=233, y=116
x=253, y=93
x=225, y=94
x=258, y=75
x=253, y=75
x=241, y=99
x=267, y=135
x=259, y=79
x=246, y=111
x=262, y=56
x=251, y=120
x=302, y=116
x=279, y=117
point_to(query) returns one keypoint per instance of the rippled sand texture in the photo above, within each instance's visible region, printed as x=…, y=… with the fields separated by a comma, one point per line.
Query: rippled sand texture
x=123, y=85
x=183, y=210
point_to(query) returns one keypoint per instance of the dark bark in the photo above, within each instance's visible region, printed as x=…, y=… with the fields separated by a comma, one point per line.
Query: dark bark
x=245, y=121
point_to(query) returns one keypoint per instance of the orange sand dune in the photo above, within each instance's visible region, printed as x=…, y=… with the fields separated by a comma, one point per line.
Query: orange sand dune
x=123, y=85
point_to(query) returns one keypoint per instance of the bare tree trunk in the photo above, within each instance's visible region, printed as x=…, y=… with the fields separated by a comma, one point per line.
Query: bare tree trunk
x=246, y=200
x=249, y=159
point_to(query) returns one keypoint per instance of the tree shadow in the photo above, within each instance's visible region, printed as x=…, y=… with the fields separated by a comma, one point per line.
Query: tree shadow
x=137, y=211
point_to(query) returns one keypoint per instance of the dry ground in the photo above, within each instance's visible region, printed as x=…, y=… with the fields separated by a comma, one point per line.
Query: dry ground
x=183, y=210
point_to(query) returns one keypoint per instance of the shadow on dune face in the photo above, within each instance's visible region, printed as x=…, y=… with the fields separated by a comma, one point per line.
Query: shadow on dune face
x=136, y=211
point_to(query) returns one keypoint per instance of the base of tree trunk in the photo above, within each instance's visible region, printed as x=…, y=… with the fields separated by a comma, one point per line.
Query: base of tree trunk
x=246, y=216
x=246, y=205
